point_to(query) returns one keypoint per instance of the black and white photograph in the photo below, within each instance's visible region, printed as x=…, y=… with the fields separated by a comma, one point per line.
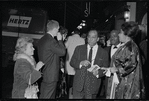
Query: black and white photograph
x=74, y=49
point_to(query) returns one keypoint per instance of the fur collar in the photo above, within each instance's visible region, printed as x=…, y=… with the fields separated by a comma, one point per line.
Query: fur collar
x=30, y=59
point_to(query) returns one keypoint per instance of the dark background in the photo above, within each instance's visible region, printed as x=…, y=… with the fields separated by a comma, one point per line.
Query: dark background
x=69, y=14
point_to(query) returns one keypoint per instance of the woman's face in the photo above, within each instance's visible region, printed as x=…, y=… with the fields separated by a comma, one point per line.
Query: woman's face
x=29, y=49
x=122, y=37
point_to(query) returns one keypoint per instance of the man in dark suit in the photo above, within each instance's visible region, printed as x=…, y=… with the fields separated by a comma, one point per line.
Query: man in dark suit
x=86, y=84
x=114, y=45
x=49, y=51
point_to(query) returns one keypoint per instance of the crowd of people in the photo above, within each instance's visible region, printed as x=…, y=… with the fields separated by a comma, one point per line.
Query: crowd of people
x=116, y=69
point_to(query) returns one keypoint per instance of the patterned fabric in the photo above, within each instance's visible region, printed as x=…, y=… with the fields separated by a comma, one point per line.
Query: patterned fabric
x=127, y=61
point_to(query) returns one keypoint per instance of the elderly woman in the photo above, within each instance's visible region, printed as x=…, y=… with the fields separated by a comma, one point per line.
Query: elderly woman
x=25, y=67
x=126, y=81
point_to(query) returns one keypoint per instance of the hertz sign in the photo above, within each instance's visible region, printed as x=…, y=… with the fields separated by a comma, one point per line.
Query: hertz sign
x=19, y=21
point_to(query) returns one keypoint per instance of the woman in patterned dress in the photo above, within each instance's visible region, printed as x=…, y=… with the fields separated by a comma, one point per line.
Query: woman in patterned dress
x=126, y=65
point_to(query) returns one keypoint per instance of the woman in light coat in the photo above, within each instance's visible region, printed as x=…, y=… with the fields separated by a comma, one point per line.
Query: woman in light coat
x=25, y=66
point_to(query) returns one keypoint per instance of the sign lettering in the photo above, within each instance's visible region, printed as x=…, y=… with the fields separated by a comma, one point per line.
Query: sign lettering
x=19, y=21
x=87, y=10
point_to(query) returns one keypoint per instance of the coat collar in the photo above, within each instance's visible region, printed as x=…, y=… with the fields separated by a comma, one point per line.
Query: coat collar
x=98, y=55
x=30, y=59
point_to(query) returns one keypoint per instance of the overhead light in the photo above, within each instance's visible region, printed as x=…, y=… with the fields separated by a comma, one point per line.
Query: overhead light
x=106, y=20
x=83, y=24
x=72, y=32
x=127, y=15
x=79, y=27
x=83, y=21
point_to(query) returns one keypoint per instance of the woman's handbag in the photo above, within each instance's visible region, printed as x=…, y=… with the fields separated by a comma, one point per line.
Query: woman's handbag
x=31, y=91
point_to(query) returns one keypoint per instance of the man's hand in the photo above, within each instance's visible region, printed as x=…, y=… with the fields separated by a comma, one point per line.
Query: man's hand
x=113, y=70
x=64, y=36
x=105, y=69
x=62, y=69
x=39, y=65
x=59, y=36
x=95, y=72
x=85, y=63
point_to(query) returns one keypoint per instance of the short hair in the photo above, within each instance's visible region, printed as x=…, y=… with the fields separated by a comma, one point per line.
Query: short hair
x=52, y=24
x=21, y=44
x=130, y=29
x=94, y=30
x=115, y=31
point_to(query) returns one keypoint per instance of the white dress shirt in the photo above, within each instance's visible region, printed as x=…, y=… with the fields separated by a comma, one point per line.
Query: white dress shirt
x=113, y=50
x=94, y=52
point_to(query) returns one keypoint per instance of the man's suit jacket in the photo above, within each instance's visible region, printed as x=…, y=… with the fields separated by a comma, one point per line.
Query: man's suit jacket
x=82, y=76
x=49, y=51
x=108, y=49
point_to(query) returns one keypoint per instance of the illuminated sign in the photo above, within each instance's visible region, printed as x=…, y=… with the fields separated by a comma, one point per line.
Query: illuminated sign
x=19, y=21
x=127, y=16
x=87, y=10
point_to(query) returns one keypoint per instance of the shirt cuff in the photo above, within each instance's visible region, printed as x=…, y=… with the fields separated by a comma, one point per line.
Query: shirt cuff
x=80, y=66
x=108, y=73
x=97, y=76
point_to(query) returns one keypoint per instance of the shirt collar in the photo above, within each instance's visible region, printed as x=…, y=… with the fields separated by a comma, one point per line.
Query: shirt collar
x=117, y=45
x=51, y=35
x=95, y=46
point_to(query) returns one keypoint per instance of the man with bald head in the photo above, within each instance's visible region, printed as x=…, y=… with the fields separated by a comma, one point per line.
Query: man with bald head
x=86, y=84
x=114, y=43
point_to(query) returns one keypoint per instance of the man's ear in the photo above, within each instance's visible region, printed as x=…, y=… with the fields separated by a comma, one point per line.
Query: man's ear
x=53, y=29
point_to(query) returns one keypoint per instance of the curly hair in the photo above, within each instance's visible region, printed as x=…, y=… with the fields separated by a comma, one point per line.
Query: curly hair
x=130, y=29
x=63, y=30
x=21, y=45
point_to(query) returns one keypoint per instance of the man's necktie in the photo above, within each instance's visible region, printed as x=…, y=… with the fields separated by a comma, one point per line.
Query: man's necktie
x=90, y=54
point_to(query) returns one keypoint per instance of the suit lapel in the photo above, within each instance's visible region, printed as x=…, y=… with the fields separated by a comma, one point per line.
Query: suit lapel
x=98, y=55
x=110, y=52
x=84, y=53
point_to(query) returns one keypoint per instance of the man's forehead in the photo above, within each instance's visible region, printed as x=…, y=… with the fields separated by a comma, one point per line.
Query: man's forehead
x=93, y=32
x=114, y=34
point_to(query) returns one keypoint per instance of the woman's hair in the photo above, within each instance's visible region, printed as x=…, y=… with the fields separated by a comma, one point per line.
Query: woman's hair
x=21, y=45
x=63, y=30
x=52, y=24
x=130, y=29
